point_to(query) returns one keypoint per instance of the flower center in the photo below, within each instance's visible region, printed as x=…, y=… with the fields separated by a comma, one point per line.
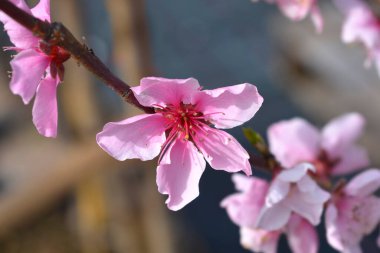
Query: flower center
x=58, y=56
x=184, y=121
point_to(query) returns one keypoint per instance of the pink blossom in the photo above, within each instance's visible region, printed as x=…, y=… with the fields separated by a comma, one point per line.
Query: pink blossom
x=297, y=10
x=361, y=25
x=353, y=212
x=244, y=209
x=292, y=191
x=36, y=69
x=180, y=132
x=332, y=151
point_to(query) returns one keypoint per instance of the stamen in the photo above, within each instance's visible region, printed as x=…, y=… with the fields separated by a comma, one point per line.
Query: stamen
x=205, y=116
x=186, y=128
x=167, y=143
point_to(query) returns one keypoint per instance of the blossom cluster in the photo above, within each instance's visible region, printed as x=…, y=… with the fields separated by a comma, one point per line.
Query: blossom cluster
x=187, y=127
x=360, y=22
x=301, y=189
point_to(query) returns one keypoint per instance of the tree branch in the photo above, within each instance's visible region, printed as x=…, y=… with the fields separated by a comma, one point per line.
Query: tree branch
x=56, y=34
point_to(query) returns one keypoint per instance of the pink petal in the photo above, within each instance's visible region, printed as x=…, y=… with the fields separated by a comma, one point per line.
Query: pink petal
x=249, y=184
x=295, y=174
x=155, y=91
x=45, y=113
x=303, y=205
x=42, y=10
x=364, y=184
x=258, y=240
x=136, y=137
x=243, y=183
x=295, y=9
x=341, y=133
x=21, y=37
x=302, y=236
x=353, y=159
x=332, y=231
x=273, y=218
x=179, y=173
x=28, y=68
x=222, y=151
x=316, y=196
x=307, y=184
x=293, y=141
x=360, y=24
x=243, y=208
x=230, y=106
x=234, y=205
x=277, y=192
x=316, y=18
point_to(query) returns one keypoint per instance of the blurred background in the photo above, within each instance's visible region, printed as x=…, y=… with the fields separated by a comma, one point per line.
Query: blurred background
x=66, y=195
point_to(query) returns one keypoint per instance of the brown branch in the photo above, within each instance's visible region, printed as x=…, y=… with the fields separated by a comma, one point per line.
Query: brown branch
x=56, y=34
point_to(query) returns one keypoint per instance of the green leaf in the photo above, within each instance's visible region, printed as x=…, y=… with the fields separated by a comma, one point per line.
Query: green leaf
x=253, y=137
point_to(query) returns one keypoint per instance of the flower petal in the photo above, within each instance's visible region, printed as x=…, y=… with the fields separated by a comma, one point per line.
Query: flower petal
x=302, y=236
x=136, y=137
x=341, y=133
x=364, y=184
x=277, y=192
x=42, y=10
x=332, y=230
x=45, y=113
x=28, y=68
x=316, y=18
x=294, y=141
x=306, y=184
x=20, y=36
x=179, y=175
x=316, y=196
x=243, y=208
x=230, y=106
x=259, y=240
x=300, y=204
x=360, y=23
x=222, y=151
x=351, y=160
x=273, y=218
x=296, y=173
x=155, y=91
x=294, y=9
x=243, y=183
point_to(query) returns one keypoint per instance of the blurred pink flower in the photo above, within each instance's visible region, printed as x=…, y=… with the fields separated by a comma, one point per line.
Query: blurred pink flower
x=353, y=212
x=331, y=151
x=292, y=191
x=361, y=25
x=244, y=209
x=180, y=132
x=297, y=10
x=36, y=69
